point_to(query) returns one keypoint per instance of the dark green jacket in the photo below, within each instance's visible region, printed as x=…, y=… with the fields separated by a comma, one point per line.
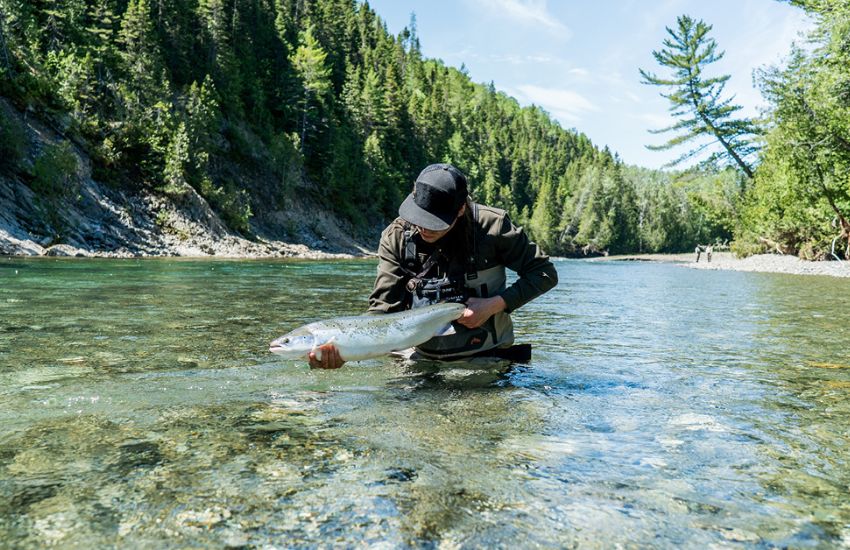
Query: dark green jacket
x=498, y=243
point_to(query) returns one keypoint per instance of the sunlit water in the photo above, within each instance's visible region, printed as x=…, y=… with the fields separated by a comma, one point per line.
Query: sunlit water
x=663, y=407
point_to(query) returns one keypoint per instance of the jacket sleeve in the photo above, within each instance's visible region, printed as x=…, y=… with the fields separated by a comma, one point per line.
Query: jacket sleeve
x=389, y=293
x=518, y=253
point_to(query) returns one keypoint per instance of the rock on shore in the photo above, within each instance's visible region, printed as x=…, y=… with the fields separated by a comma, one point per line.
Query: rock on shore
x=764, y=263
x=104, y=222
x=773, y=263
x=94, y=218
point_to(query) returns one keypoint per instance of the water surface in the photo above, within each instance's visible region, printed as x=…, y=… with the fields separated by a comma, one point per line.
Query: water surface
x=663, y=407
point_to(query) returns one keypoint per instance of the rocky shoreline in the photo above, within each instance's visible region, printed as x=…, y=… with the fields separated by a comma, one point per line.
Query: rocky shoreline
x=102, y=221
x=105, y=223
x=89, y=217
x=762, y=263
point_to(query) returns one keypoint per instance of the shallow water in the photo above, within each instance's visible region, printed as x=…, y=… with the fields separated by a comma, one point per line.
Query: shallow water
x=663, y=407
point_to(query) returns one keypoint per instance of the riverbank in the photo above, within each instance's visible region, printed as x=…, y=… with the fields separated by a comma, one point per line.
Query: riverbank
x=763, y=263
x=76, y=212
x=108, y=223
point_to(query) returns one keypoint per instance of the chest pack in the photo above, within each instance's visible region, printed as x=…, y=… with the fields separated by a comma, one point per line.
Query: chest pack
x=436, y=278
x=447, y=283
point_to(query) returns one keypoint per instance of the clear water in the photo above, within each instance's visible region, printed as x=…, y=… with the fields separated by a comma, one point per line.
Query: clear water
x=664, y=407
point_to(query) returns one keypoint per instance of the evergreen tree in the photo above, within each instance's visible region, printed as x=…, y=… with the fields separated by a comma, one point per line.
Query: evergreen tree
x=6, y=67
x=310, y=64
x=221, y=60
x=140, y=54
x=61, y=23
x=697, y=99
x=225, y=96
x=101, y=28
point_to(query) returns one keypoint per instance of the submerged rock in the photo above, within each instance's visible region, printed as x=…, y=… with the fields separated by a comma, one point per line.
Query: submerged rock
x=24, y=495
x=401, y=474
x=138, y=455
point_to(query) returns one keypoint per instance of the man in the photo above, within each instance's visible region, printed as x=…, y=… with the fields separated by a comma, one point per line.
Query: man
x=444, y=247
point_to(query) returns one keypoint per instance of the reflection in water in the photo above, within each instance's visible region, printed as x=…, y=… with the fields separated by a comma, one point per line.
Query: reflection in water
x=662, y=407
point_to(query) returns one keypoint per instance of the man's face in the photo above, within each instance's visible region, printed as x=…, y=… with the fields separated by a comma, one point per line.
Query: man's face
x=430, y=236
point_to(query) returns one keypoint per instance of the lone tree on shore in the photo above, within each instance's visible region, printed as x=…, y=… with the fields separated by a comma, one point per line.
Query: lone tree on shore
x=697, y=99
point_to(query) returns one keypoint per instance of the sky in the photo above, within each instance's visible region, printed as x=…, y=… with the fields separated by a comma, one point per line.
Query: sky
x=579, y=60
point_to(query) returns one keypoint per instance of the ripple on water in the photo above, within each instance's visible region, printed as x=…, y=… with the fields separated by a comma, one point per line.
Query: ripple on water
x=663, y=407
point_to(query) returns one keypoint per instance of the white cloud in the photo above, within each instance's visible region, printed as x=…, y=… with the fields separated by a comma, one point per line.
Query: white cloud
x=565, y=105
x=521, y=59
x=655, y=121
x=529, y=11
x=768, y=37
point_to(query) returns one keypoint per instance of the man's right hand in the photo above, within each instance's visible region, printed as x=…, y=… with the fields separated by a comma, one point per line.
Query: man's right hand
x=330, y=358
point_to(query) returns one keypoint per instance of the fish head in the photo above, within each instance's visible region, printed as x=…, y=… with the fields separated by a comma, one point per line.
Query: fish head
x=295, y=344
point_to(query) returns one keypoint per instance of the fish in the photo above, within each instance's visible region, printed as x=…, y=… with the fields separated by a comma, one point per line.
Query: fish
x=366, y=336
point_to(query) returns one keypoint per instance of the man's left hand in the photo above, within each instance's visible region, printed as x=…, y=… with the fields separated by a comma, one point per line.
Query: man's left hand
x=478, y=310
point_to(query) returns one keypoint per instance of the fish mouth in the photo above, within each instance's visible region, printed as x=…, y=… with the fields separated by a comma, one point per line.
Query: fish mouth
x=279, y=350
x=285, y=352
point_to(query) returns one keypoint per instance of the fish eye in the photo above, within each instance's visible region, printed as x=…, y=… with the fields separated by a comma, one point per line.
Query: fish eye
x=286, y=340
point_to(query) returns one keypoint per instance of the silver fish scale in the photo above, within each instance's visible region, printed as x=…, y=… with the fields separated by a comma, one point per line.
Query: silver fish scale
x=366, y=336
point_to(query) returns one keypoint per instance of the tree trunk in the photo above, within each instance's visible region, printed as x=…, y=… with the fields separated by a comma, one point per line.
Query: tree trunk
x=304, y=122
x=741, y=164
x=773, y=244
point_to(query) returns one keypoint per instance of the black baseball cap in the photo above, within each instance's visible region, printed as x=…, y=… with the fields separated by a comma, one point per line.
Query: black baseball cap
x=439, y=192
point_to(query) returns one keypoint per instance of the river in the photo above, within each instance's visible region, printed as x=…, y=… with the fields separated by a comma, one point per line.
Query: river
x=663, y=407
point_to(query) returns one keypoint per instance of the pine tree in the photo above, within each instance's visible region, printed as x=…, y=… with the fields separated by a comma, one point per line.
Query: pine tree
x=221, y=57
x=697, y=99
x=309, y=63
x=140, y=54
x=62, y=22
x=101, y=34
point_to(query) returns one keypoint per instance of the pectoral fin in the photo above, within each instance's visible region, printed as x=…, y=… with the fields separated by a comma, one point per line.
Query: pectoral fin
x=446, y=330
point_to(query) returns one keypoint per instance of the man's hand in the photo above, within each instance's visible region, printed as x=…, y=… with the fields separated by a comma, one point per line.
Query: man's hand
x=330, y=358
x=478, y=310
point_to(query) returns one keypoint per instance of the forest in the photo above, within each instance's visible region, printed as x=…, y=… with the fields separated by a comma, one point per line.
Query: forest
x=169, y=95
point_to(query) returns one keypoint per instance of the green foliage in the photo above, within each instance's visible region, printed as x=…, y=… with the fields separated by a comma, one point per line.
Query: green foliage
x=310, y=65
x=242, y=100
x=697, y=99
x=676, y=211
x=55, y=171
x=177, y=161
x=77, y=86
x=800, y=202
x=13, y=142
x=140, y=53
x=233, y=204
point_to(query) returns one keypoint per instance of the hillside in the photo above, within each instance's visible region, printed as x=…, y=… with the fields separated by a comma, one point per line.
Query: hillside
x=244, y=127
x=94, y=218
